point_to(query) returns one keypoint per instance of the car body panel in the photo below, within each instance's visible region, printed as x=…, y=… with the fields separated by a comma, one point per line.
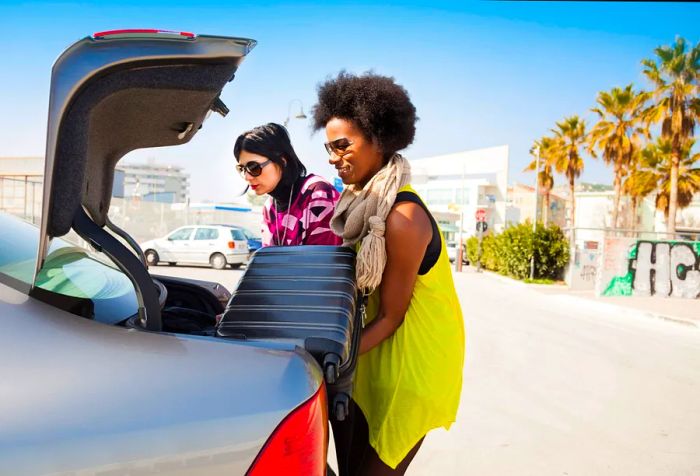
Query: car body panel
x=83, y=396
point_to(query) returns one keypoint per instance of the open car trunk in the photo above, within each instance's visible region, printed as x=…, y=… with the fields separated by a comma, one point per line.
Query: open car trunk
x=113, y=93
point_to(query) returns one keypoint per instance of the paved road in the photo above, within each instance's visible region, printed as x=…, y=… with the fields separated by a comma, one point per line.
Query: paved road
x=554, y=386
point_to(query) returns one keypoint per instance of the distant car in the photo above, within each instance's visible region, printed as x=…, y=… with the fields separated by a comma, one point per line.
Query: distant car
x=254, y=241
x=218, y=245
x=452, y=252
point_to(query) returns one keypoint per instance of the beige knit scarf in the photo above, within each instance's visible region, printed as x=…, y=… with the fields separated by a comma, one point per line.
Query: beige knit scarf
x=361, y=215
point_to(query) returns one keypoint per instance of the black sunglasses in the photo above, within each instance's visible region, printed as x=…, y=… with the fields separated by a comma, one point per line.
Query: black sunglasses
x=338, y=146
x=252, y=167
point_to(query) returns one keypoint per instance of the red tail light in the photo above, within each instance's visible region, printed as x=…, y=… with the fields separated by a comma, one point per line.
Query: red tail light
x=298, y=445
x=232, y=244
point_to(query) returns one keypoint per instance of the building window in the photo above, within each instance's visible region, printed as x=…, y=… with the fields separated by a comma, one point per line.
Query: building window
x=440, y=196
x=463, y=192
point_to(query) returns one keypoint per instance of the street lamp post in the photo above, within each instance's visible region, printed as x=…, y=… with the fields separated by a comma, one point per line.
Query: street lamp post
x=300, y=115
x=460, y=243
x=534, y=221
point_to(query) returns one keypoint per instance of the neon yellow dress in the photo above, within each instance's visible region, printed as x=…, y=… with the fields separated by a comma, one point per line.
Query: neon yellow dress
x=411, y=382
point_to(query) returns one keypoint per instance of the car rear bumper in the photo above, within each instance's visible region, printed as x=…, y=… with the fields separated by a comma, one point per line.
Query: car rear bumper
x=235, y=258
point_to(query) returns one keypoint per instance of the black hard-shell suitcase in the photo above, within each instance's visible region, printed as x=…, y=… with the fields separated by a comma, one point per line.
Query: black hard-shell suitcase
x=306, y=294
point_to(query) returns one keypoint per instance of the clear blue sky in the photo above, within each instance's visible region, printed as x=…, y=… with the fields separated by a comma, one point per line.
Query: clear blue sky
x=481, y=73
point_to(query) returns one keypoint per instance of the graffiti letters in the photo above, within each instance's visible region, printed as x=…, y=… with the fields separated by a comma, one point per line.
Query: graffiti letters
x=666, y=269
x=588, y=273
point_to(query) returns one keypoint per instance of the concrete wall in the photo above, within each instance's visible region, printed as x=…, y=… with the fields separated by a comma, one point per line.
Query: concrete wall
x=583, y=266
x=649, y=268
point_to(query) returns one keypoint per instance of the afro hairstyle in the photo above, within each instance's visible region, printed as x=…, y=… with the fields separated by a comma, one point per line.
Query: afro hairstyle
x=379, y=107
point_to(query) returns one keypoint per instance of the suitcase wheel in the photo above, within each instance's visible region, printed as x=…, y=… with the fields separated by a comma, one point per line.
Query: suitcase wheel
x=341, y=411
x=331, y=373
x=341, y=406
x=331, y=367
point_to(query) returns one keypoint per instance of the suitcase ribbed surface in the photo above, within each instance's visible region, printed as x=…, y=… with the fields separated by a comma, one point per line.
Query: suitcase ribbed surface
x=305, y=293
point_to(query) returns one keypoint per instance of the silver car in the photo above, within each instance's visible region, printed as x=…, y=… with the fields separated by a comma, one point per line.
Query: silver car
x=99, y=371
x=215, y=245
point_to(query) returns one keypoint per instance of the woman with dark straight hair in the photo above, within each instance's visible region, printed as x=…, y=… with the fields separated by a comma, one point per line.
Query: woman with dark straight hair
x=300, y=206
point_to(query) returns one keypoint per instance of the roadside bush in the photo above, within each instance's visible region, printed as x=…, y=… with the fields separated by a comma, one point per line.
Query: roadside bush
x=509, y=253
x=489, y=253
x=551, y=252
x=515, y=250
x=472, y=249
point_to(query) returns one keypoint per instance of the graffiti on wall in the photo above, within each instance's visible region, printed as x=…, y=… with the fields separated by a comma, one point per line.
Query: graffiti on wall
x=584, y=267
x=656, y=268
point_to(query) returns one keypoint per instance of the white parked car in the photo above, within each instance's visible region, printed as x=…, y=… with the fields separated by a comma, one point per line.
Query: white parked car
x=199, y=244
x=452, y=252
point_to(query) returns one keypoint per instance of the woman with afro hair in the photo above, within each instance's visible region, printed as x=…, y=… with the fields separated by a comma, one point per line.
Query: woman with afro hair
x=409, y=374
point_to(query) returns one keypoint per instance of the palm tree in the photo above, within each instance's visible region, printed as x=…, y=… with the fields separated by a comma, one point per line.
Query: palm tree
x=569, y=137
x=544, y=175
x=638, y=184
x=675, y=74
x=657, y=161
x=617, y=134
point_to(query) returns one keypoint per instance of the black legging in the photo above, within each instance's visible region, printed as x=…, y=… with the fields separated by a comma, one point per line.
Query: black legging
x=356, y=457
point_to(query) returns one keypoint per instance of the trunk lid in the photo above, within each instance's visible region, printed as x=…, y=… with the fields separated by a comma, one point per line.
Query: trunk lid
x=115, y=92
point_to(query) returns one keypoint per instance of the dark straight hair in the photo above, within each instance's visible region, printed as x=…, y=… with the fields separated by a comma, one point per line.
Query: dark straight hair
x=272, y=141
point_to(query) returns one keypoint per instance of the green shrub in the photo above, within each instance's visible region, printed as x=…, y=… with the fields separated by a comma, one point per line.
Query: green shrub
x=472, y=249
x=489, y=253
x=515, y=250
x=551, y=252
x=509, y=253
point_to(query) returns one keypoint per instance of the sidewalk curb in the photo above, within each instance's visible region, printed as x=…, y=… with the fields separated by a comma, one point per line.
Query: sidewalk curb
x=603, y=306
x=509, y=280
x=632, y=312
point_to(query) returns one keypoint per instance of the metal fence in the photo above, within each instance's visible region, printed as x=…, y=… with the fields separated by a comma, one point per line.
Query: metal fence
x=581, y=234
x=143, y=220
x=21, y=196
x=147, y=220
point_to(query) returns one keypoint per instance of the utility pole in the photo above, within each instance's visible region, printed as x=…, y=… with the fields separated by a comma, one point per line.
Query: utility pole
x=460, y=243
x=534, y=221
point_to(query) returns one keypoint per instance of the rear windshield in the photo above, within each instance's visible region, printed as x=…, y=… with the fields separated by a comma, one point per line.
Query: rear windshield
x=237, y=235
x=69, y=270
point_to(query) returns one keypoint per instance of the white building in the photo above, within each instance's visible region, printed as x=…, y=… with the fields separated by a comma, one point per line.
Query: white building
x=152, y=182
x=457, y=185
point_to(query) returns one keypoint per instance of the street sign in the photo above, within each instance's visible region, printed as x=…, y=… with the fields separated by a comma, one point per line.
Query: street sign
x=482, y=226
x=480, y=215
